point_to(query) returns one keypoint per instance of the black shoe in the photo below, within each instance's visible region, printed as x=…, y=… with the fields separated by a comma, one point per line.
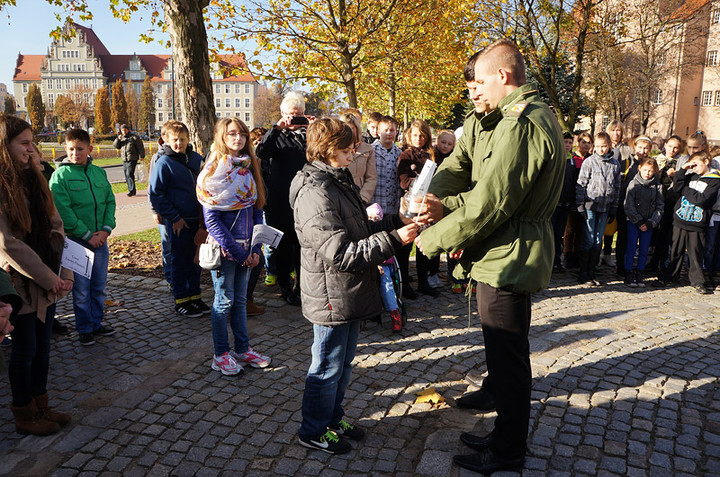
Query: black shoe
x=59, y=328
x=130, y=194
x=485, y=462
x=187, y=309
x=201, y=306
x=104, y=330
x=329, y=442
x=558, y=268
x=480, y=400
x=477, y=443
x=291, y=297
x=345, y=429
x=701, y=290
x=86, y=339
x=409, y=293
x=426, y=289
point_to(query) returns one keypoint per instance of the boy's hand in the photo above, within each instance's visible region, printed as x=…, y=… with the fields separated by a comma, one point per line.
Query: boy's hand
x=252, y=260
x=643, y=228
x=408, y=233
x=158, y=218
x=178, y=226
x=5, y=312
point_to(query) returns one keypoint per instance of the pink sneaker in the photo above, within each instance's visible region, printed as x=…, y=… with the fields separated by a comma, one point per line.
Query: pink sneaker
x=252, y=358
x=226, y=364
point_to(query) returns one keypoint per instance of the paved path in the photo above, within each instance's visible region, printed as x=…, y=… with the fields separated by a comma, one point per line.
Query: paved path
x=625, y=383
x=132, y=214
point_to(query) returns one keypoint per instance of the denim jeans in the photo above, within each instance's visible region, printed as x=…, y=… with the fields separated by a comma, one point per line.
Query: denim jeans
x=30, y=356
x=387, y=291
x=166, y=252
x=333, y=351
x=129, y=169
x=230, y=281
x=594, y=230
x=711, y=263
x=89, y=294
x=633, y=235
x=184, y=271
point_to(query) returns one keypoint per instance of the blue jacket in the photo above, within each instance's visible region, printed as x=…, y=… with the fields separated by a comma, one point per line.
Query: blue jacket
x=172, y=185
x=219, y=225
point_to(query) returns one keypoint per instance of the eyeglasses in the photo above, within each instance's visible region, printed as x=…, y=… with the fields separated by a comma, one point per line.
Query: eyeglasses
x=235, y=134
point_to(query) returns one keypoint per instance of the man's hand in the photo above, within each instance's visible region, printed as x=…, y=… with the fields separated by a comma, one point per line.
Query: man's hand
x=408, y=233
x=432, y=211
x=179, y=225
x=252, y=260
x=157, y=218
x=5, y=312
x=643, y=228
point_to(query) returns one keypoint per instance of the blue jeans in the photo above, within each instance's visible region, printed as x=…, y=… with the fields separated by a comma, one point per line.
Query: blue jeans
x=166, y=252
x=387, y=291
x=633, y=235
x=711, y=262
x=333, y=351
x=129, y=169
x=89, y=294
x=230, y=281
x=184, y=271
x=594, y=230
x=30, y=356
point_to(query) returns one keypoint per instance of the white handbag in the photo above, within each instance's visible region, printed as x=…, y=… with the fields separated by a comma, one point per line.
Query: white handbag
x=210, y=255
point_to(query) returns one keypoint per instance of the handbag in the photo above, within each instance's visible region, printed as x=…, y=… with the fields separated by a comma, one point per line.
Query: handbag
x=210, y=255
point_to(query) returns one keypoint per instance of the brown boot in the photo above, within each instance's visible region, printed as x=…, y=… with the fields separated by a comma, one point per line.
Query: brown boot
x=46, y=413
x=253, y=309
x=29, y=421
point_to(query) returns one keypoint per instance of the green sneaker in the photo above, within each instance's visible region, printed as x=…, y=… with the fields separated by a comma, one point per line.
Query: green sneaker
x=345, y=429
x=270, y=280
x=329, y=442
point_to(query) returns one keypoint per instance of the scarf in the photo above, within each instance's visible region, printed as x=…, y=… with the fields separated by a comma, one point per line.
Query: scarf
x=230, y=187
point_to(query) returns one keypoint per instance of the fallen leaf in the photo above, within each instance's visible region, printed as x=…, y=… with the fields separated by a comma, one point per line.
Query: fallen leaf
x=113, y=303
x=429, y=395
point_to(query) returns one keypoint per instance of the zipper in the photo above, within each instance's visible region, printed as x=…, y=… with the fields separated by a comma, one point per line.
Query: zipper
x=92, y=192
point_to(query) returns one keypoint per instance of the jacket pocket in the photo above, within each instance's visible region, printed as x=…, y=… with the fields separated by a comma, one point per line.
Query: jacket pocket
x=78, y=185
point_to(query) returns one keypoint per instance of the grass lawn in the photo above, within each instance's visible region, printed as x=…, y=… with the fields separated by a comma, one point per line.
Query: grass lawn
x=150, y=235
x=121, y=187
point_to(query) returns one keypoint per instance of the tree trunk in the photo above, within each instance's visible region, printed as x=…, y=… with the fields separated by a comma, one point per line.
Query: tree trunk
x=392, y=86
x=186, y=26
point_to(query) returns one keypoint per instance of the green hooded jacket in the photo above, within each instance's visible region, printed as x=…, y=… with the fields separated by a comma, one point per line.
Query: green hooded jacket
x=499, y=188
x=84, y=198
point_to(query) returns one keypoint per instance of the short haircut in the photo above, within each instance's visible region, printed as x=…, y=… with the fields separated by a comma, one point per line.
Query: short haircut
x=388, y=120
x=77, y=135
x=469, y=70
x=702, y=155
x=567, y=135
x=351, y=120
x=585, y=135
x=293, y=100
x=603, y=136
x=506, y=55
x=325, y=136
x=175, y=127
x=650, y=161
x=614, y=124
x=676, y=138
x=257, y=133
x=375, y=117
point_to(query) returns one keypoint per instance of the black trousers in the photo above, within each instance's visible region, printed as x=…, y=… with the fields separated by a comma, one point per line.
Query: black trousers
x=505, y=317
x=694, y=243
x=621, y=243
x=287, y=257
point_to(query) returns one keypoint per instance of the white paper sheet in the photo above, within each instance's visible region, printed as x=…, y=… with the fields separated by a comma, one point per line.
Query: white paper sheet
x=77, y=258
x=265, y=234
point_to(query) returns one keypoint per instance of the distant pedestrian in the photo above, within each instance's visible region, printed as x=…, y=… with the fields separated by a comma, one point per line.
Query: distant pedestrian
x=86, y=203
x=31, y=245
x=132, y=149
x=341, y=250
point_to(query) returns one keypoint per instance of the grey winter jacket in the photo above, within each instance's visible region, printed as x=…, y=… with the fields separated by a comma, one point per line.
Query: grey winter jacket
x=644, y=202
x=340, y=247
x=598, y=184
x=131, y=148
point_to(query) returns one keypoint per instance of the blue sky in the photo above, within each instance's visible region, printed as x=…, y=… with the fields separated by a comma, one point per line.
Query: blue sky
x=26, y=29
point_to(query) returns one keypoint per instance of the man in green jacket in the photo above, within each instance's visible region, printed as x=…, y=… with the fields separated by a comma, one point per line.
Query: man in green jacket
x=497, y=211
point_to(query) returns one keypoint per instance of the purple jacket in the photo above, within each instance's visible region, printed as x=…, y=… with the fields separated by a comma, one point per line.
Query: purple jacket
x=218, y=223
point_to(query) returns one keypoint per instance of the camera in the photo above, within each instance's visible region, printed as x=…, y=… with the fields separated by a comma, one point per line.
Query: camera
x=299, y=120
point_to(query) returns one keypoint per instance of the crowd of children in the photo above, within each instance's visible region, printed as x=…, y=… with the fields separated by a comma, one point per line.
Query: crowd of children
x=660, y=209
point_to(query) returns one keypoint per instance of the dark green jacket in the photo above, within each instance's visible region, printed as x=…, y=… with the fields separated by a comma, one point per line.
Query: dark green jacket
x=512, y=161
x=8, y=293
x=84, y=199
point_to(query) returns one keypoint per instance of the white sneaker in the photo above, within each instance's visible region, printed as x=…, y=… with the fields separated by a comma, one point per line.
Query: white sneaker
x=434, y=281
x=226, y=364
x=252, y=358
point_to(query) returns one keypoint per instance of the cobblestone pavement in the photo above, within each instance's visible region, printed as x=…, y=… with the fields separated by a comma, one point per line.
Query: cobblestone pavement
x=625, y=383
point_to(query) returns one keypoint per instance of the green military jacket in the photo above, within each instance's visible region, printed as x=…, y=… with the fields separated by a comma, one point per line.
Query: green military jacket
x=8, y=293
x=499, y=189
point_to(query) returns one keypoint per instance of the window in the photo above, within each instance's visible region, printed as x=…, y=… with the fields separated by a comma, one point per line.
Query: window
x=237, y=102
x=605, y=122
x=217, y=102
x=227, y=102
x=217, y=88
x=78, y=67
x=58, y=84
x=657, y=97
x=76, y=82
x=706, y=98
x=51, y=100
x=227, y=89
x=159, y=103
x=67, y=83
x=217, y=114
x=227, y=115
x=717, y=98
x=712, y=58
x=247, y=117
x=159, y=89
x=160, y=117
x=247, y=89
x=49, y=84
x=63, y=67
x=237, y=89
x=86, y=83
x=715, y=16
x=25, y=87
x=247, y=102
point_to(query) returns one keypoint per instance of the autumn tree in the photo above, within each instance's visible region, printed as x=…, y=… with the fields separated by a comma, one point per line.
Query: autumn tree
x=102, y=110
x=266, y=108
x=118, y=105
x=35, y=108
x=146, y=106
x=10, y=105
x=133, y=104
x=65, y=111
